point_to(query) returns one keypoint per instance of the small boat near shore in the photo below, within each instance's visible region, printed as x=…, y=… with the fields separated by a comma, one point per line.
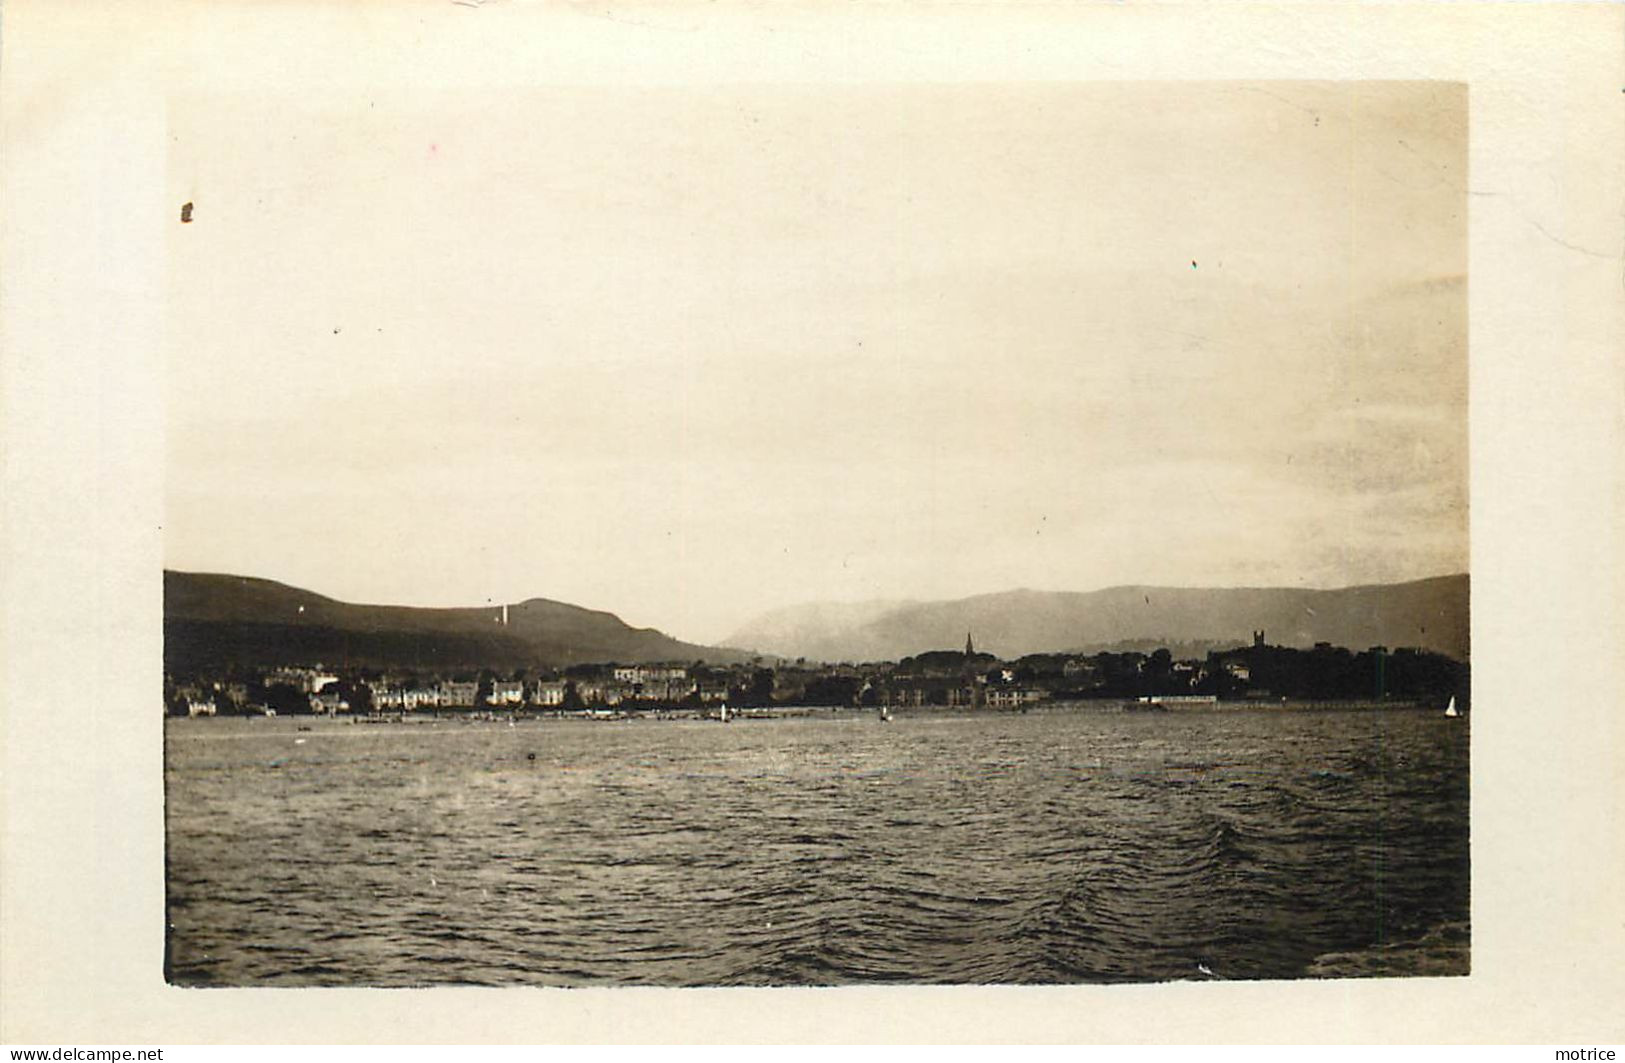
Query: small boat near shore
x=1450, y=709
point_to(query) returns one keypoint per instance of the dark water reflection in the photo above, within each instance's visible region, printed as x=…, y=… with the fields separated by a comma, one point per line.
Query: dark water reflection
x=1051, y=847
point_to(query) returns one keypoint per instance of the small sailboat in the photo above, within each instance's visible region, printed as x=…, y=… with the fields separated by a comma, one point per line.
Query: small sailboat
x=724, y=716
x=1450, y=710
x=885, y=714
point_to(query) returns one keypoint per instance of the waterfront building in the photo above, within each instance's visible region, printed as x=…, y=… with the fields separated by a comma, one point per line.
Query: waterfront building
x=549, y=693
x=920, y=692
x=458, y=695
x=420, y=698
x=710, y=691
x=1013, y=697
x=656, y=681
x=601, y=692
x=385, y=696
x=305, y=680
x=505, y=692
x=328, y=704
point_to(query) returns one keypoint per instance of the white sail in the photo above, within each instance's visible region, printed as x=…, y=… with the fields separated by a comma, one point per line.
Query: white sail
x=1450, y=710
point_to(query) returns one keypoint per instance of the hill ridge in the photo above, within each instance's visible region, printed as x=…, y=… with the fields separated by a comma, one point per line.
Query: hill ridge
x=213, y=619
x=1428, y=613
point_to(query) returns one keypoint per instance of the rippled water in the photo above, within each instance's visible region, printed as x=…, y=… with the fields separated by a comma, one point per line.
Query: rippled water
x=1066, y=846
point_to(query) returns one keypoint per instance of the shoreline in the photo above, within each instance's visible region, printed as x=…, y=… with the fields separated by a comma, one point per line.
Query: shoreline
x=1103, y=707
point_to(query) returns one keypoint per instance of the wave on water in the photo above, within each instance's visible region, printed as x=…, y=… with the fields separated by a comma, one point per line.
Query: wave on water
x=1039, y=849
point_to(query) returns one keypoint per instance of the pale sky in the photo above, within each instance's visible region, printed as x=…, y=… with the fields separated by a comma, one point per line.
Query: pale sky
x=689, y=354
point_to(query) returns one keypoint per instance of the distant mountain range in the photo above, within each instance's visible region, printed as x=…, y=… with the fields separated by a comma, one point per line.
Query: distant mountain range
x=1429, y=614
x=211, y=620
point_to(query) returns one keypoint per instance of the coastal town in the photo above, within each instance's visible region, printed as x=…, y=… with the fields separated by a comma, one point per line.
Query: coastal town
x=949, y=680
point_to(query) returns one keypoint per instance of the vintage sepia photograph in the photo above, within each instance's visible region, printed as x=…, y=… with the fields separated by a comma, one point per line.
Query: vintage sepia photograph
x=715, y=535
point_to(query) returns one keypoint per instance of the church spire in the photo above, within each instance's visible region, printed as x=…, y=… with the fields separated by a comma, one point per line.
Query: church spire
x=970, y=650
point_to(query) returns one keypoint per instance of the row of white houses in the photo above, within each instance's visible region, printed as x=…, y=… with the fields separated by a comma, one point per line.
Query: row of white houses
x=448, y=695
x=648, y=684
